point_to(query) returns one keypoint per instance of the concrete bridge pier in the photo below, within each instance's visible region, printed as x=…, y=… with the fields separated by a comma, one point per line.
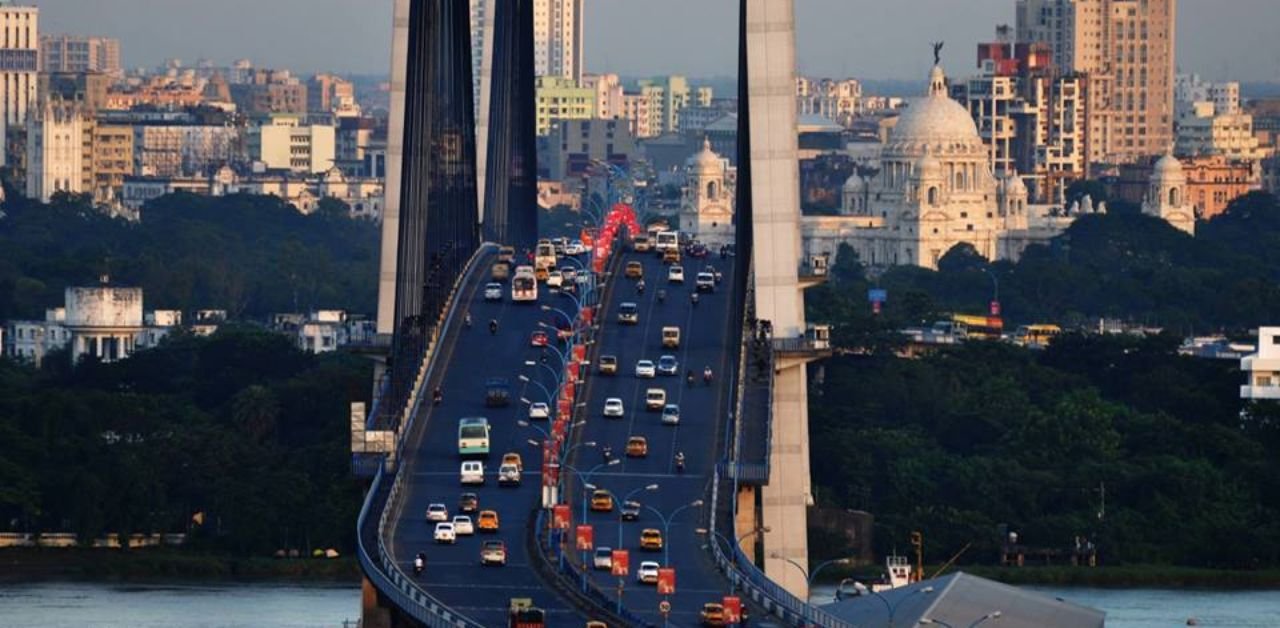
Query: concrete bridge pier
x=773, y=173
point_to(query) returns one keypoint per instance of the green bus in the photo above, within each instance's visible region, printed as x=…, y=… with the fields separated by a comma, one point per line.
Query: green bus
x=473, y=436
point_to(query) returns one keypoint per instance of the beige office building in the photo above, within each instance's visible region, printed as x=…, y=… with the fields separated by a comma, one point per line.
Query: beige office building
x=1127, y=48
x=19, y=64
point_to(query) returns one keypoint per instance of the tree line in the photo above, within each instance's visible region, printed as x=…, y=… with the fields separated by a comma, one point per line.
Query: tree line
x=968, y=438
x=239, y=439
x=250, y=255
x=1121, y=265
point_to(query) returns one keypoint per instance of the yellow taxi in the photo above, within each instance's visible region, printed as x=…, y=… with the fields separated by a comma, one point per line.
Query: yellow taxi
x=487, y=521
x=637, y=447
x=601, y=501
x=651, y=539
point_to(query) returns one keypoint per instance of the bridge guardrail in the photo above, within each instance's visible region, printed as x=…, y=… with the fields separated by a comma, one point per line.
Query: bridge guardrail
x=739, y=568
x=378, y=565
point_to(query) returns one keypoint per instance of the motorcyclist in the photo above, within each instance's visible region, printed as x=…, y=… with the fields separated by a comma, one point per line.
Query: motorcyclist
x=693, y=298
x=640, y=286
x=706, y=374
x=688, y=375
x=466, y=320
x=662, y=296
x=680, y=461
x=493, y=326
x=437, y=396
x=607, y=452
x=419, y=562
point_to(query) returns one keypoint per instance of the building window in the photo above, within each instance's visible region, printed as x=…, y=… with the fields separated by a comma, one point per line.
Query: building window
x=933, y=196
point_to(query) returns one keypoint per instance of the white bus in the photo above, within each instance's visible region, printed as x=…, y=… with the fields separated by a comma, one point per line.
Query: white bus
x=667, y=240
x=544, y=255
x=524, y=286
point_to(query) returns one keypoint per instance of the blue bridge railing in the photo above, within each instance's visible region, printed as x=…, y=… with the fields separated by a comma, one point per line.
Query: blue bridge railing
x=380, y=510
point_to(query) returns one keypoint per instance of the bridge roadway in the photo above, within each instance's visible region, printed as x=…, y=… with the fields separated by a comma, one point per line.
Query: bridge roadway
x=699, y=435
x=453, y=573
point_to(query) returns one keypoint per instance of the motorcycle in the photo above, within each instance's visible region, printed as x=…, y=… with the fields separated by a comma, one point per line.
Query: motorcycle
x=419, y=563
x=706, y=375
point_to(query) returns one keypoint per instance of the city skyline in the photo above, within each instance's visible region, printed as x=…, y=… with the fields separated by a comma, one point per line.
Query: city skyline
x=832, y=40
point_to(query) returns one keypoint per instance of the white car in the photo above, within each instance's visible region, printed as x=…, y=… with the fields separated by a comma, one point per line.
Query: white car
x=613, y=407
x=675, y=274
x=437, y=512
x=555, y=279
x=462, y=525
x=539, y=410
x=575, y=247
x=446, y=534
x=646, y=369
x=671, y=414
x=493, y=292
x=603, y=558
x=647, y=573
x=706, y=282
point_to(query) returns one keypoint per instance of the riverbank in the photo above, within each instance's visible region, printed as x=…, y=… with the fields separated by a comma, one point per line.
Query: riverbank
x=1132, y=576
x=28, y=565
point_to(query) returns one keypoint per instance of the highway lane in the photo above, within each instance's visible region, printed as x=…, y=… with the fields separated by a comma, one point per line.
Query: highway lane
x=453, y=573
x=703, y=409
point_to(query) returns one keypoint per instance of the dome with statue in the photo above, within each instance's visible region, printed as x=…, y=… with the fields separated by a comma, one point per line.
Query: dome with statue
x=706, y=160
x=935, y=124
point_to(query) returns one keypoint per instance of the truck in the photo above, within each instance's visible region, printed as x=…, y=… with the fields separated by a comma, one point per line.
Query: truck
x=523, y=614
x=497, y=392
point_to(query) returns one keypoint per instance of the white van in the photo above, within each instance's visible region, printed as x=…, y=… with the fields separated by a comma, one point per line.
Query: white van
x=655, y=399
x=472, y=472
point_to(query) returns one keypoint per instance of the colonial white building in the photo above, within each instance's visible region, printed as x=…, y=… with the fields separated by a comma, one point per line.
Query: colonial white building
x=104, y=322
x=706, y=212
x=934, y=189
x=1167, y=195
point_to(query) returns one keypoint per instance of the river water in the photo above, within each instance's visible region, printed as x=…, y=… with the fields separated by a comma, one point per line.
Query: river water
x=1163, y=608
x=68, y=605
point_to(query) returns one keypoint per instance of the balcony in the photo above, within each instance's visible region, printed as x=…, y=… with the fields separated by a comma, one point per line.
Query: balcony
x=814, y=271
x=815, y=344
x=1259, y=392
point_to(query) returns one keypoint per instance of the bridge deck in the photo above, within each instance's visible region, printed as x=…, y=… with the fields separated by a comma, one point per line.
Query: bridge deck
x=468, y=357
x=700, y=433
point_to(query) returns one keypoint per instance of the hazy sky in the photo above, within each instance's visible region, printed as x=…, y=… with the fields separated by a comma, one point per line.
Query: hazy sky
x=1222, y=39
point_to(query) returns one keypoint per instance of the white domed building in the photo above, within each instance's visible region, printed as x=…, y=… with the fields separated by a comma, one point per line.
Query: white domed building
x=1167, y=195
x=706, y=210
x=934, y=189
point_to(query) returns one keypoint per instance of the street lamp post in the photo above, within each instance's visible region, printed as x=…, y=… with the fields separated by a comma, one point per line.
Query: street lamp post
x=809, y=577
x=551, y=399
x=584, y=478
x=892, y=609
x=666, y=526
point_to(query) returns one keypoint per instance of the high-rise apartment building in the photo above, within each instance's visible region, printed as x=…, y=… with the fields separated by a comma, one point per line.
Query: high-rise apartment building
x=77, y=53
x=561, y=99
x=609, y=95
x=58, y=135
x=557, y=38
x=19, y=63
x=1127, y=49
x=1031, y=117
